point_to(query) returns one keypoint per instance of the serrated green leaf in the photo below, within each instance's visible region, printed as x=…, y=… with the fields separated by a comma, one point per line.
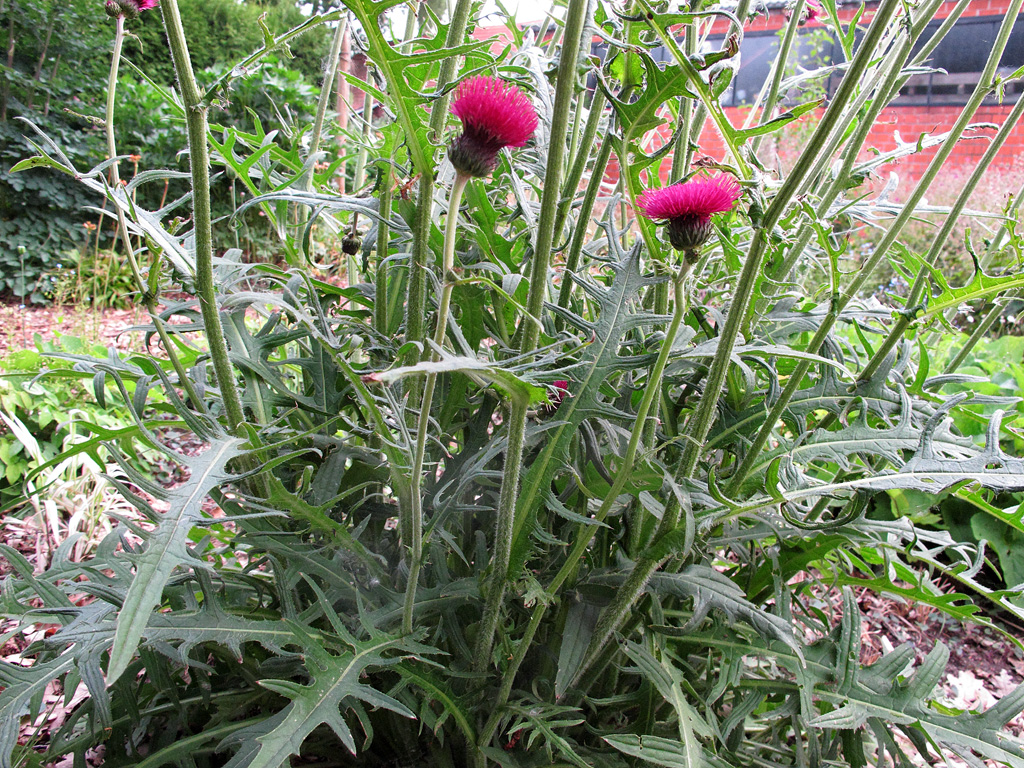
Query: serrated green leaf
x=166, y=549
x=656, y=750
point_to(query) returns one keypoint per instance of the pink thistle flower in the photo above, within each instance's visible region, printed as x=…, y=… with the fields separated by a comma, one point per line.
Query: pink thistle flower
x=129, y=8
x=561, y=390
x=813, y=10
x=494, y=115
x=687, y=208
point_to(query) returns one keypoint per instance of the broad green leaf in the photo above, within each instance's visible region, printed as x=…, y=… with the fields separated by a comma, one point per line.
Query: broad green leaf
x=711, y=590
x=656, y=750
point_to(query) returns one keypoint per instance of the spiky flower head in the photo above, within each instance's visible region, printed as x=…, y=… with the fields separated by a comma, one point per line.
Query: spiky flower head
x=128, y=8
x=813, y=10
x=687, y=208
x=494, y=115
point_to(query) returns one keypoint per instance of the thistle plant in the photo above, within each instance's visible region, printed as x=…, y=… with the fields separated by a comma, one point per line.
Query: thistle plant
x=686, y=209
x=546, y=485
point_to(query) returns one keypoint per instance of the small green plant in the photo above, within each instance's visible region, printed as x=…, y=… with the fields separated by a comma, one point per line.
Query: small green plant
x=92, y=277
x=47, y=400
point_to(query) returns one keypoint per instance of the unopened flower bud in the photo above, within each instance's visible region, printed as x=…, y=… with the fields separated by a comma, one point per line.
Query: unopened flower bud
x=129, y=9
x=350, y=244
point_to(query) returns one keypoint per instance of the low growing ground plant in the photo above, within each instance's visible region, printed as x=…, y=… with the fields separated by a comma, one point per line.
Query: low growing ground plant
x=553, y=480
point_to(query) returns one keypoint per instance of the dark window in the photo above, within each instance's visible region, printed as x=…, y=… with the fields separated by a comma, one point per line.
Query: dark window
x=961, y=53
x=756, y=56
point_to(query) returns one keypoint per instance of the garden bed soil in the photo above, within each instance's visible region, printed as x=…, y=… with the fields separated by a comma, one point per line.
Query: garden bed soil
x=19, y=326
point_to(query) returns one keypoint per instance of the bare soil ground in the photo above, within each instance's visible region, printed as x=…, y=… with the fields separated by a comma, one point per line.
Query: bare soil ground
x=19, y=326
x=984, y=665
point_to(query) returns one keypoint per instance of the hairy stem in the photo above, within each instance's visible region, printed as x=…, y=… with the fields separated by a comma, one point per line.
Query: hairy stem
x=415, y=526
x=199, y=167
x=984, y=87
x=585, y=533
x=565, y=90
x=148, y=290
x=322, y=104
x=778, y=70
x=700, y=423
x=804, y=237
x=380, y=301
x=579, y=235
x=415, y=307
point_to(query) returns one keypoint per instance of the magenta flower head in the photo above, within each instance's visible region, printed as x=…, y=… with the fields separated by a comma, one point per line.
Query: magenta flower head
x=813, y=10
x=687, y=208
x=494, y=115
x=128, y=8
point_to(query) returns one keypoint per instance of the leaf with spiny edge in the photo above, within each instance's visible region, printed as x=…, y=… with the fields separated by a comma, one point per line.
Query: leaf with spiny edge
x=22, y=693
x=334, y=676
x=711, y=590
x=166, y=546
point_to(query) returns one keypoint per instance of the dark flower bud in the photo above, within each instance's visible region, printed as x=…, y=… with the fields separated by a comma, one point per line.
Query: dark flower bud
x=129, y=9
x=350, y=244
x=688, y=232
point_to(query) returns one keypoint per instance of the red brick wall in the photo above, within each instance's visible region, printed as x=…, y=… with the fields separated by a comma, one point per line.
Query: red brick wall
x=909, y=121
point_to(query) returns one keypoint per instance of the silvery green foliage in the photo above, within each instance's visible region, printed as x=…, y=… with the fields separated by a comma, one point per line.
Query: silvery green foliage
x=252, y=615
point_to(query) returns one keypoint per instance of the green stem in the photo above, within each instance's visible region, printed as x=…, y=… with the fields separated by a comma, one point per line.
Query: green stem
x=866, y=121
x=697, y=428
x=579, y=235
x=415, y=526
x=380, y=302
x=804, y=237
x=415, y=308
x=148, y=291
x=572, y=181
x=841, y=301
x=565, y=91
x=779, y=69
x=984, y=87
x=322, y=104
x=979, y=332
x=199, y=166
x=681, y=150
x=700, y=422
x=361, y=155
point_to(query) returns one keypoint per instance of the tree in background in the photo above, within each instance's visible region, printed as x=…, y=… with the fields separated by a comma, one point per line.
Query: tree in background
x=54, y=59
x=53, y=71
